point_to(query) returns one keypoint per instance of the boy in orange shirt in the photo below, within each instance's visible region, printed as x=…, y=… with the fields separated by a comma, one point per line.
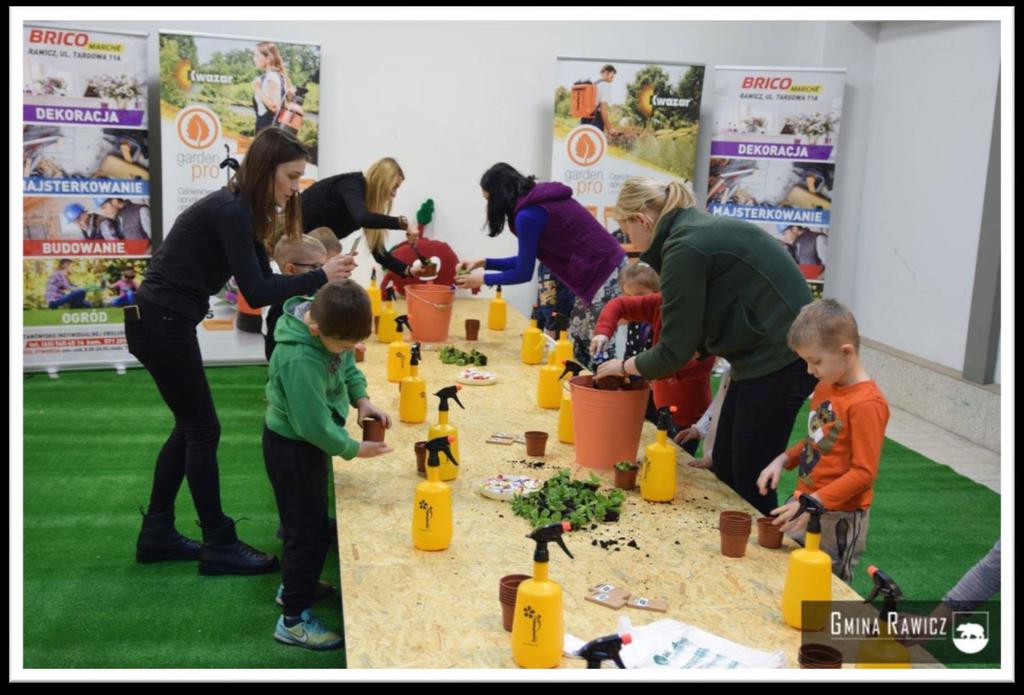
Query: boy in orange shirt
x=838, y=459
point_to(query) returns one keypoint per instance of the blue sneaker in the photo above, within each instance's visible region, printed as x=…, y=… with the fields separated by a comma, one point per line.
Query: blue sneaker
x=309, y=633
x=322, y=591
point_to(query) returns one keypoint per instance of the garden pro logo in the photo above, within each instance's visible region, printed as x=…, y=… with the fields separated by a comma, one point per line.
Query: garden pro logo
x=198, y=127
x=970, y=631
x=585, y=146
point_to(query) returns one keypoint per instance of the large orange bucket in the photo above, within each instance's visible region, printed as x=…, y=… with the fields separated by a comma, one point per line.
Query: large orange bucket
x=430, y=311
x=606, y=425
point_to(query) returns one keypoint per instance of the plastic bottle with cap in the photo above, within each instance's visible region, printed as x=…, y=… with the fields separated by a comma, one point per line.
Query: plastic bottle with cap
x=432, y=503
x=449, y=471
x=809, y=577
x=538, y=632
x=658, y=476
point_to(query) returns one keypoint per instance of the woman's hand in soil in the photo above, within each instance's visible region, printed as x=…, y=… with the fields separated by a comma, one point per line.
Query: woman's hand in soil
x=609, y=368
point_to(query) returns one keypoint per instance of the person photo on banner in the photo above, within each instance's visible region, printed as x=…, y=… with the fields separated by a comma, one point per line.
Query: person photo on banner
x=61, y=292
x=345, y=203
x=601, y=118
x=555, y=229
x=93, y=225
x=223, y=235
x=272, y=88
x=131, y=219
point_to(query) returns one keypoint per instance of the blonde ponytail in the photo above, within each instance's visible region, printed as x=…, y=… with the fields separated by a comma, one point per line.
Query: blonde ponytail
x=641, y=193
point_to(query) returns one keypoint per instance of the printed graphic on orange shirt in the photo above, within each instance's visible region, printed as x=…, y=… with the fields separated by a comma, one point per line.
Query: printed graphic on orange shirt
x=823, y=430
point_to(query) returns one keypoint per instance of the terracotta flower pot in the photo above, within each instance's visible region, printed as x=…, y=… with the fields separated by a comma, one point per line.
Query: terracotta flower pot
x=819, y=656
x=360, y=351
x=373, y=429
x=626, y=480
x=507, y=589
x=376, y=324
x=536, y=443
x=421, y=457
x=735, y=520
x=606, y=424
x=768, y=535
x=472, y=329
x=734, y=543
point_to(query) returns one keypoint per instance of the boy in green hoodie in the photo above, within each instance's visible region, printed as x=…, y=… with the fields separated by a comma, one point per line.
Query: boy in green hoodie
x=312, y=382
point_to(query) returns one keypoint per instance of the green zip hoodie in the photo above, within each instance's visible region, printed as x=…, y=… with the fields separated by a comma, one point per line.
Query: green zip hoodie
x=728, y=289
x=309, y=388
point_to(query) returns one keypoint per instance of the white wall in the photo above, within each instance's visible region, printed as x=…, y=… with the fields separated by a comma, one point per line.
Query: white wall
x=924, y=180
x=448, y=99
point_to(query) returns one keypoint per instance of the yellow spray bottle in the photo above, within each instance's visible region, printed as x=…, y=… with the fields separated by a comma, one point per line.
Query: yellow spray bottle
x=432, y=505
x=538, y=635
x=549, y=395
x=565, y=432
x=449, y=471
x=412, y=390
x=497, y=312
x=563, y=348
x=883, y=651
x=386, y=323
x=658, y=477
x=399, y=351
x=374, y=293
x=809, y=577
x=533, y=341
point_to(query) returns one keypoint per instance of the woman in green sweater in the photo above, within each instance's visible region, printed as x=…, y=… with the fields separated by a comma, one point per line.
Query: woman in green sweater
x=728, y=289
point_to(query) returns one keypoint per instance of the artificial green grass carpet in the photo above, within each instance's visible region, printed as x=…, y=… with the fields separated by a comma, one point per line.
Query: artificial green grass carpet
x=91, y=440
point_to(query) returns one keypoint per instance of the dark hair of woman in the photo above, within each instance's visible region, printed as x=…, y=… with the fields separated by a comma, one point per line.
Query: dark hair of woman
x=504, y=186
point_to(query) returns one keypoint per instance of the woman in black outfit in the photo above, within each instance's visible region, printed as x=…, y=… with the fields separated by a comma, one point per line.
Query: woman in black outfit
x=223, y=234
x=348, y=202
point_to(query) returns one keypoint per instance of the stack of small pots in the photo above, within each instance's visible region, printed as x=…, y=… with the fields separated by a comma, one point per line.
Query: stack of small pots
x=735, y=529
x=819, y=656
x=507, y=589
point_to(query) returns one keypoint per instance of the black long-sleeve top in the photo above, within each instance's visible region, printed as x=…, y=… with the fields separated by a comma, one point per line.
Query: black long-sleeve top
x=339, y=203
x=208, y=243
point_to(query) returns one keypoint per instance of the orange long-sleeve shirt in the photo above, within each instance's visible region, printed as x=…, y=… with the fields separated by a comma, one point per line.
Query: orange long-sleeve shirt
x=838, y=459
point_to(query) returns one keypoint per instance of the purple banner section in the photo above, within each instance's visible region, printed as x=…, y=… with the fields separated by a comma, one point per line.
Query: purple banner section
x=767, y=150
x=77, y=115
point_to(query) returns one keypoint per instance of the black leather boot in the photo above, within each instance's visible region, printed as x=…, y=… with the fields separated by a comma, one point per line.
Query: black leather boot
x=159, y=540
x=223, y=553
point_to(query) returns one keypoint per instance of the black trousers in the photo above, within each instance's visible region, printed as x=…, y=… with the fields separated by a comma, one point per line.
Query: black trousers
x=298, y=474
x=754, y=426
x=166, y=345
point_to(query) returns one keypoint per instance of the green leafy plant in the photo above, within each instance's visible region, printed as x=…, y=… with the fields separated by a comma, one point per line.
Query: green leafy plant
x=452, y=355
x=626, y=466
x=561, y=498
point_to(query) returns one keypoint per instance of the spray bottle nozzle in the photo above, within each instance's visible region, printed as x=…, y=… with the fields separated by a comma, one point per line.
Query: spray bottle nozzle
x=570, y=366
x=436, y=446
x=604, y=648
x=400, y=323
x=813, y=507
x=373, y=273
x=414, y=354
x=390, y=294
x=449, y=392
x=665, y=417
x=546, y=534
x=887, y=586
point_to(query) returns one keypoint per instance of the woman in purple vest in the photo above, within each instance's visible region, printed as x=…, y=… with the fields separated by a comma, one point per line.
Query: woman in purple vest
x=559, y=232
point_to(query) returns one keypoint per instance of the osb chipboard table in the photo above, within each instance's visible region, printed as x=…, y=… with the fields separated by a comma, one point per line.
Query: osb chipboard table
x=406, y=608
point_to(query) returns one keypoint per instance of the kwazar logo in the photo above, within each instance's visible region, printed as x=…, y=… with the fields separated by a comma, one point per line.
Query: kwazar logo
x=198, y=127
x=647, y=100
x=185, y=76
x=585, y=145
x=970, y=631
